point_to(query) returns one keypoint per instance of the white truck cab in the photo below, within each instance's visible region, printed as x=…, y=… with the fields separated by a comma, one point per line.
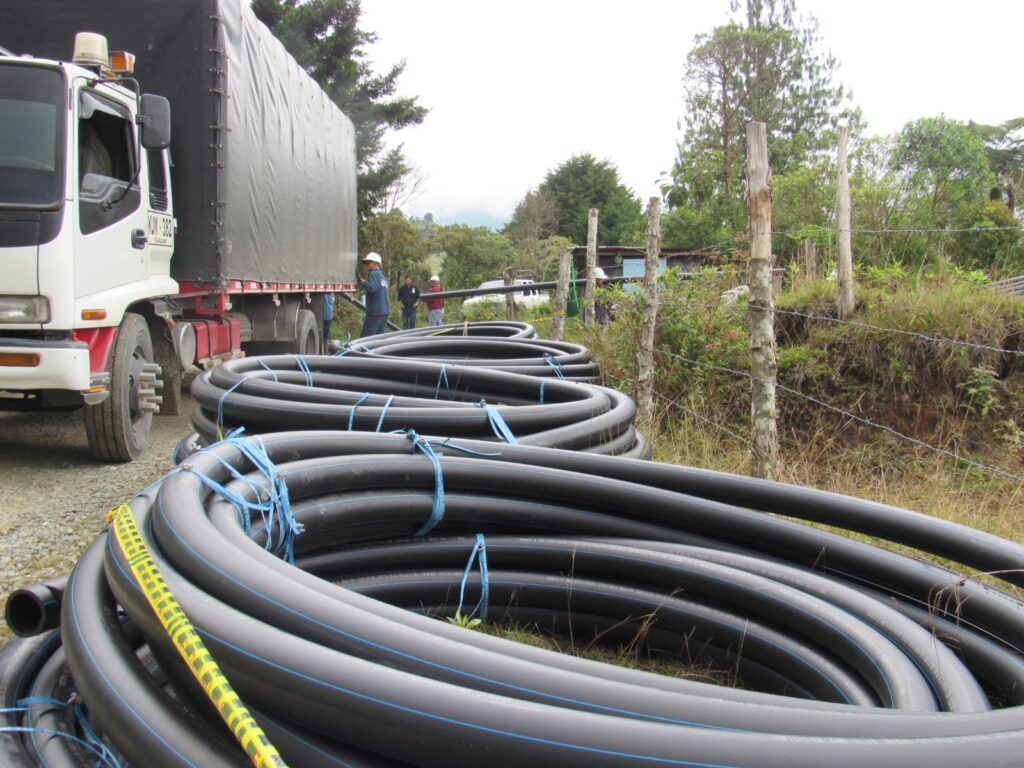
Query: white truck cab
x=86, y=233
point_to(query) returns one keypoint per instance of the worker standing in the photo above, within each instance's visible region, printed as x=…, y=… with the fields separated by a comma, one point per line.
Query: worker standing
x=376, y=288
x=435, y=307
x=328, y=317
x=409, y=296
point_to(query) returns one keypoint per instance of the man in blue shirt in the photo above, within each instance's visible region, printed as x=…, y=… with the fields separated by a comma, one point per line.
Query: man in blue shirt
x=409, y=295
x=328, y=316
x=375, y=287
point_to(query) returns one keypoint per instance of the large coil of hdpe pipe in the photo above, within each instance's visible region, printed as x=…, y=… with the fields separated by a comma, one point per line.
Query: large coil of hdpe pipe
x=535, y=357
x=508, y=329
x=847, y=654
x=373, y=393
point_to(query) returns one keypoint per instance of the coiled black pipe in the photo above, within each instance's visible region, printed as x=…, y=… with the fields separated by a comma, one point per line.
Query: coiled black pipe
x=344, y=657
x=274, y=393
x=34, y=609
x=509, y=329
x=535, y=357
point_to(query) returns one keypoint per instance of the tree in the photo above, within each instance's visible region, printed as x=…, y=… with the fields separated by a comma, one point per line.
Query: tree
x=471, y=254
x=535, y=218
x=325, y=38
x=765, y=67
x=580, y=183
x=1004, y=149
x=542, y=257
x=944, y=162
x=394, y=237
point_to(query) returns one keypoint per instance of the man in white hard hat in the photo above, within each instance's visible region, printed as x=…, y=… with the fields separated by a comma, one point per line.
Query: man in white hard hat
x=600, y=307
x=376, y=287
x=435, y=307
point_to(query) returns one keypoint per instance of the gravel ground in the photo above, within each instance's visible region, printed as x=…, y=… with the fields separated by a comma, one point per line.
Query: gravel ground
x=54, y=495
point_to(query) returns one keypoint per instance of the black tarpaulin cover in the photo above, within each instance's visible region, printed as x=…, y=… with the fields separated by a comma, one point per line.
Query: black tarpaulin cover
x=263, y=176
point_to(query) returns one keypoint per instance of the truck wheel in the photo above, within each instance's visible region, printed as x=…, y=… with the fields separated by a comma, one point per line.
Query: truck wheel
x=307, y=334
x=118, y=428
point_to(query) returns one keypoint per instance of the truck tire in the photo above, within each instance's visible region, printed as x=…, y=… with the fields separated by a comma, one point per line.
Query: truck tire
x=306, y=341
x=118, y=428
x=307, y=334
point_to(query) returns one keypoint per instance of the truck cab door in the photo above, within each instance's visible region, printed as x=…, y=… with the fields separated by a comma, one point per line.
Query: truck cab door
x=110, y=239
x=159, y=219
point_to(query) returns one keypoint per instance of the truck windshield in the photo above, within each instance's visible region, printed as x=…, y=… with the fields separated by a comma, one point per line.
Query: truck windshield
x=31, y=133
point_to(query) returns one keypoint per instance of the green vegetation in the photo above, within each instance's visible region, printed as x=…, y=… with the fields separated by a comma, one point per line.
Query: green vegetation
x=966, y=400
x=632, y=655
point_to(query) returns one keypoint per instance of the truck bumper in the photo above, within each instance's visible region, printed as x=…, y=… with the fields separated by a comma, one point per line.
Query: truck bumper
x=60, y=365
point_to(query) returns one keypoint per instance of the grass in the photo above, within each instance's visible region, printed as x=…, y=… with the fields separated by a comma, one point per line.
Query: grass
x=630, y=656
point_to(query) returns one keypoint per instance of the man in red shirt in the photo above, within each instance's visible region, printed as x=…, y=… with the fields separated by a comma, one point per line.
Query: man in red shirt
x=435, y=307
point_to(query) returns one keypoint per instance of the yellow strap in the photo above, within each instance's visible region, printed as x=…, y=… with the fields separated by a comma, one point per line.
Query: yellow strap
x=185, y=638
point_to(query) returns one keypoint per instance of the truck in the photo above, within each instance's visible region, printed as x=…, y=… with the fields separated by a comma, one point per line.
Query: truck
x=529, y=298
x=176, y=193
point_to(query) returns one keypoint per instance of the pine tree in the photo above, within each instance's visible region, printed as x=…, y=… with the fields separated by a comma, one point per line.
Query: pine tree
x=325, y=38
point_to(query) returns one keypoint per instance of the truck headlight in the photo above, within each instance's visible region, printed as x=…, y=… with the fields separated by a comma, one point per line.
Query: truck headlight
x=24, y=309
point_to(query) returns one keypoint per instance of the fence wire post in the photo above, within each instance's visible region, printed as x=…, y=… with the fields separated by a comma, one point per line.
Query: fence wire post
x=846, y=302
x=588, y=305
x=510, y=298
x=561, y=296
x=809, y=261
x=764, y=446
x=645, y=355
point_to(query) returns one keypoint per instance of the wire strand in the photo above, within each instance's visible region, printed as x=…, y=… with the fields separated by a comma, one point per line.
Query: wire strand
x=863, y=420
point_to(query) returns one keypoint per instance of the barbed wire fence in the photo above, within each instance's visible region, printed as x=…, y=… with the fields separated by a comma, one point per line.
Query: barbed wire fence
x=763, y=376
x=959, y=458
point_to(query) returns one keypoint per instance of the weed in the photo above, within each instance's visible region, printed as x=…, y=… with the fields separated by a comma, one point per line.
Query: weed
x=979, y=393
x=465, y=620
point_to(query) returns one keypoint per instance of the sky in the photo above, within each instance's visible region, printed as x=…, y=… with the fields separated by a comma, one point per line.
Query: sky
x=516, y=88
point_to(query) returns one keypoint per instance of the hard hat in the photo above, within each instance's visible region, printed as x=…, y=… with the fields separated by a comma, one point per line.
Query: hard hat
x=371, y=256
x=435, y=279
x=599, y=274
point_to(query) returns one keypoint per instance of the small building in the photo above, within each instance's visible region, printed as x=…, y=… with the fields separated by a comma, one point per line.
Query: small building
x=628, y=261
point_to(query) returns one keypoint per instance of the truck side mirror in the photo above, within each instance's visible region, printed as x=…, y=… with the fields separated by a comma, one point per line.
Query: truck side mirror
x=155, y=117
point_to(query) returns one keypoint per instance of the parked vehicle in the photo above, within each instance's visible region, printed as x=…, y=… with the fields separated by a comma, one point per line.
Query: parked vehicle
x=527, y=298
x=144, y=232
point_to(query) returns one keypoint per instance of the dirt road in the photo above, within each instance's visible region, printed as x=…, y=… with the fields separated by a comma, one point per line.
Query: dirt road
x=54, y=495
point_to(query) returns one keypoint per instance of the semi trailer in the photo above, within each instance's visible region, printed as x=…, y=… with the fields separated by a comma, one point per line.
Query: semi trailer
x=175, y=190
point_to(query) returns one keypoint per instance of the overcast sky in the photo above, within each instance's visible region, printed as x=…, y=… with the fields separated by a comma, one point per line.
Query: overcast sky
x=514, y=89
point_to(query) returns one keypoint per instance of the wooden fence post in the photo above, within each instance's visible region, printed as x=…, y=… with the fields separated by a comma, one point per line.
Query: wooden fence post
x=510, y=299
x=588, y=306
x=761, y=307
x=561, y=296
x=846, y=302
x=645, y=354
x=810, y=261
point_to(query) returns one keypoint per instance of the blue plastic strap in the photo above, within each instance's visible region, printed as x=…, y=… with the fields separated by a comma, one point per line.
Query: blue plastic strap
x=555, y=365
x=352, y=413
x=501, y=430
x=25, y=703
x=272, y=500
x=384, y=412
x=272, y=371
x=437, y=511
x=304, y=367
x=447, y=443
x=91, y=742
x=442, y=376
x=478, y=554
x=542, y=383
x=220, y=407
x=90, y=735
x=104, y=756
